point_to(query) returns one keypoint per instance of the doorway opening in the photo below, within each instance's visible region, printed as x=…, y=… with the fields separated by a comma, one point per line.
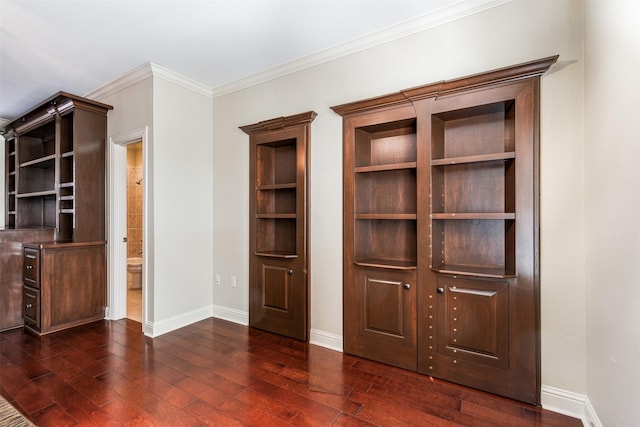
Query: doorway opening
x=135, y=258
x=128, y=184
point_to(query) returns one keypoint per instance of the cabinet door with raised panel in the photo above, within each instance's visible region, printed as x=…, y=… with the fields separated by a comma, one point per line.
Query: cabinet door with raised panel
x=380, y=323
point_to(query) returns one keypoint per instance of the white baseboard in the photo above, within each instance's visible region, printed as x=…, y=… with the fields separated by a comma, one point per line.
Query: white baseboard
x=571, y=404
x=231, y=314
x=326, y=339
x=154, y=329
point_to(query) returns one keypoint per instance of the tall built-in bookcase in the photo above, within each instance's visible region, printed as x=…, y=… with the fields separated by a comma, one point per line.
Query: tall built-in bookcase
x=441, y=229
x=279, y=258
x=55, y=158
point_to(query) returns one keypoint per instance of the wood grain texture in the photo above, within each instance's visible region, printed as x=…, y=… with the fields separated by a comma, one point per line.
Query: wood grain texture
x=216, y=373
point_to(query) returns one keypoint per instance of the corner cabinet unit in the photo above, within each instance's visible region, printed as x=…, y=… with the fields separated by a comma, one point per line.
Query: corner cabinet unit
x=64, y=285
x=279, y=225
x=441, y=230
x=55, y=168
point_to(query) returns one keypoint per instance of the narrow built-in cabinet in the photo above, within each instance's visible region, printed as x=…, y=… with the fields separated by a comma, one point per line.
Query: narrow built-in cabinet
x=64, y=285
x=441, y=230
x=279, y=224
x=55, y=157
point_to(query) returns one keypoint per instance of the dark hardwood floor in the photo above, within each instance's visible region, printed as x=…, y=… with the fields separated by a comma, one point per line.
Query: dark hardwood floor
x=222, y=374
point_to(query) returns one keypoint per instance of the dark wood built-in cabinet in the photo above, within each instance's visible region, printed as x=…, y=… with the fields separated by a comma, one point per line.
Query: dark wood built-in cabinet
x=279, y=224
x=64, y=284
x=11, y=267
x=441, y=230
x=55, y=157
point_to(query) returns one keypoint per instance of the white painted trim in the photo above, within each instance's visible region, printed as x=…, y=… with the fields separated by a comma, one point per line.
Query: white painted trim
x=441, y=16
x=176, y=322
x=326, y=340
x=571, y=404
x=117, y=256
x=134, y=76
x=185, y=82
x=231, y=314
x=143, y=72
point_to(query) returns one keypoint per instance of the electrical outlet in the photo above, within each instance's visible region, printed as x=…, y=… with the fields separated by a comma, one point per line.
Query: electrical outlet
x=217, y=279
x=233, y=282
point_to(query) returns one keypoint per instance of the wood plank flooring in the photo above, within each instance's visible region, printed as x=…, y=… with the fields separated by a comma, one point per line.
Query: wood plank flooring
x=217, y=373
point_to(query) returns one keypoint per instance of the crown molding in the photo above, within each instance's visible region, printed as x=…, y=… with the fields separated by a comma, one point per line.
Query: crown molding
x=180, y=80
x=441, y=16
x=143, y=72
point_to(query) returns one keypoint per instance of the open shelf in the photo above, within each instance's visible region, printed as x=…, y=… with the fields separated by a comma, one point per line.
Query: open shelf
x=386, y=167
x=447, y=161
x=475, y=271
x=276, y=235
x=386, y=192
x=482, y=130
x=473, y=216
x=37, y=143
x=384, y=239
x=276, y=163
x=276, y=199
x=387, y=263
x=277, y=254
x=386, y=145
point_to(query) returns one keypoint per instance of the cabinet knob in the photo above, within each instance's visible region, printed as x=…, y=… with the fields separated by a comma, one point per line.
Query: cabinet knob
x=289, y=272
x=29, y=305
x=406, y=286
x=441, y=290
x=29, y=267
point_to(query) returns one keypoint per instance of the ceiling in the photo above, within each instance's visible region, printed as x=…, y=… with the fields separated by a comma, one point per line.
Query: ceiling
x=78, y=46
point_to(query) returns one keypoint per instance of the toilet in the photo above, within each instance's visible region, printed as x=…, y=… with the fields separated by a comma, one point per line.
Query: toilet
x=134, y=273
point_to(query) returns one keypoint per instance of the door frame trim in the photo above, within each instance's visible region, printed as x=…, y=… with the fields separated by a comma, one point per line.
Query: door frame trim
x=117, y=226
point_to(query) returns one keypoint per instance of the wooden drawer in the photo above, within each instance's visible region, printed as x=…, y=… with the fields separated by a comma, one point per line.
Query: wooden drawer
x=31, y=267
x=31, y=299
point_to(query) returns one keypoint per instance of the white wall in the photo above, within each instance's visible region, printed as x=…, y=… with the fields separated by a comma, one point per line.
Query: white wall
x=183, y=204
x=509, y=34
x=178, y=245
x=612, y=206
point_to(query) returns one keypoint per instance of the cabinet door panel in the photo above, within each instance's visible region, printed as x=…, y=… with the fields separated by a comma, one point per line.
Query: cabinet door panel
x=474, y=320
x=278, y=297
x=380, y=323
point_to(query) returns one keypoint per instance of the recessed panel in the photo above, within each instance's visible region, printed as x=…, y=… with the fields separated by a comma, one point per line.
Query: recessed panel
x=276, y=283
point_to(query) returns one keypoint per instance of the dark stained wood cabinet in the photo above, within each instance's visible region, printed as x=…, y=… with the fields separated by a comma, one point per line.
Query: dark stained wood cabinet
x=441, y=230
x=279, y=225
x=55, y=157
x=11, y=266
x=64, y=285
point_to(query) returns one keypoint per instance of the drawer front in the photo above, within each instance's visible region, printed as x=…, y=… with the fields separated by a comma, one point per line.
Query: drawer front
x=31, y=267
x=31, y=305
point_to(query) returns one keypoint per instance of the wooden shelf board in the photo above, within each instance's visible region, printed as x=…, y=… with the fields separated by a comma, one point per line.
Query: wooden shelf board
x=276, y=254
x=387, y=216
x=393, y=264
x=11, y=173
x=471, y=270
x=67, y=211
x=276, y=186
x=67, y=154
x=38, y=161
x=37, y=194
x=386, y=167
x=66, y=197
x=276, y=216
x=448, y=161
x=474, y=215
x=66, y=184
